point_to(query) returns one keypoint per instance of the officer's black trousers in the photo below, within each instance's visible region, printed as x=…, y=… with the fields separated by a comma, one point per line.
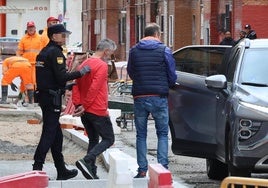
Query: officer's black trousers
x=51, y=137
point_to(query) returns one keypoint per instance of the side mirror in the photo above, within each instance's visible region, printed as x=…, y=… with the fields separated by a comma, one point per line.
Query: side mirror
x=216, y=82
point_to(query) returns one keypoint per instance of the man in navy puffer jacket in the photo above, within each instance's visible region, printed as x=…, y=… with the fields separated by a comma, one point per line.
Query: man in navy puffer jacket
x=151, y=67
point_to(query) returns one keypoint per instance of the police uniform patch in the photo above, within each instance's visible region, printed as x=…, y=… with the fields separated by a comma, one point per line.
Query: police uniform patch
x=59, y=60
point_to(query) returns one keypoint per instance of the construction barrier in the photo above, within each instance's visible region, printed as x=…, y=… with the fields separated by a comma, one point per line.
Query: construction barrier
x=232, y=182
x=119, y=174
x=32, y=179
x=160, y=177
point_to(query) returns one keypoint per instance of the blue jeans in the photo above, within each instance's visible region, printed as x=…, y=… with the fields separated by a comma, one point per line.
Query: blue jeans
x=158, y=108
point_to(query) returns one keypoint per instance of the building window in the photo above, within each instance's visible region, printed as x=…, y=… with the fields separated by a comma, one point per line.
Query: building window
x=193, y=30
x=171, y=30
x=140, y=27
x=122, y=30
x=97, y=27
x=162, y=23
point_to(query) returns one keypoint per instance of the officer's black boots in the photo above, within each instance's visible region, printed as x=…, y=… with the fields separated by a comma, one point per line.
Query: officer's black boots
x=30, y=94
x=64, y=173
x=37, y=166
x=4, y=95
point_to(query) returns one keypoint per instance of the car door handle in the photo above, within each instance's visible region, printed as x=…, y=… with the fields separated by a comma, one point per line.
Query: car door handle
x=217, y=97
x=175, y=85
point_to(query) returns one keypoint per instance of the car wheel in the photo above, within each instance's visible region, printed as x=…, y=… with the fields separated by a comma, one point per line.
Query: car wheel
x=233, y=170
x=216, y=169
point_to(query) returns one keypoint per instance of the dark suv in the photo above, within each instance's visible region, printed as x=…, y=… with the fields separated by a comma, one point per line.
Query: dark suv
x=219, y=107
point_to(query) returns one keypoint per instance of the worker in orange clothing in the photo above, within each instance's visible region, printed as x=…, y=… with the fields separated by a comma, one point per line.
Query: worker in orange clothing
x=13, y=67
x=29, y=47
x=50, y=21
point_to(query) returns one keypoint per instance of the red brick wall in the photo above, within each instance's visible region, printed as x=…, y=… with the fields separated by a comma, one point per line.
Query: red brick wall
x=183, y=23
x=257, y=17
x=214, y=34
x=236, y=18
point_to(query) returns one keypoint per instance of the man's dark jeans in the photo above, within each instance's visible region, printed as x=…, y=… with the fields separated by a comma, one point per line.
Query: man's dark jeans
x=97, y=126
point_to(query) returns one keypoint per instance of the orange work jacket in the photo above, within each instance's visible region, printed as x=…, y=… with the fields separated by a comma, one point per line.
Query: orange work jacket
x=30, y=46
x=44, y=37
x=14, y=62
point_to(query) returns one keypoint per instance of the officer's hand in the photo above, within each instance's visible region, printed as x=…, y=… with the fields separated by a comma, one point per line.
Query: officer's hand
x=13, y=86
x=85, y=69
x=69, y=86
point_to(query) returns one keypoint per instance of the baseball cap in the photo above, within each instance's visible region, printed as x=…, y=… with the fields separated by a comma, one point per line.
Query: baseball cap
x=57, y=28
x=247, y=26
x=52, y=18
x=30, y=24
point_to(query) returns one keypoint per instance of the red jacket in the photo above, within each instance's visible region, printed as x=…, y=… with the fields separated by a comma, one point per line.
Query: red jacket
x=91, y=90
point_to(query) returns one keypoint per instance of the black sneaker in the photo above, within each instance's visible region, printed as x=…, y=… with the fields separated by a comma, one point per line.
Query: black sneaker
x=95, y=176
x=140, y=175
x=85, y=168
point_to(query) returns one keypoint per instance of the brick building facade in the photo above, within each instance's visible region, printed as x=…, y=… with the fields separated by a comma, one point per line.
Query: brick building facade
x=183, y=22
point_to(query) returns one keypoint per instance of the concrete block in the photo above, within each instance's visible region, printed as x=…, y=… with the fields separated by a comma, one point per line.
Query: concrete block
x=115, y=113
x=131, y=161
x=66, y=126
x=119, y=174
x=77, y=137
x=137, y=183
x=76, y=121
x=70, y=120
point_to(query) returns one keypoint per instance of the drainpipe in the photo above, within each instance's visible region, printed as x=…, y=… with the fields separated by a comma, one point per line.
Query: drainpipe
x=3, y=20
x=64, y=11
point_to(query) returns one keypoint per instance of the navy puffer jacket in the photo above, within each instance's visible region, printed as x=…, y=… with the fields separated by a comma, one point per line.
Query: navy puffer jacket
x=149, y=69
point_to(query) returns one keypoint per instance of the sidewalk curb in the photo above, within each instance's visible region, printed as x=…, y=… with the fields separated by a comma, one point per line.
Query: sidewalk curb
x=82, y=140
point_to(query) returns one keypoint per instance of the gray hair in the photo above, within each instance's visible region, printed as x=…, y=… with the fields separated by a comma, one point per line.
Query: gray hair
x=151, y=29
x=106, y=44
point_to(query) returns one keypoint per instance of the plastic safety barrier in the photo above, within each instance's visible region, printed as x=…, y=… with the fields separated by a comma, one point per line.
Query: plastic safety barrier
x=232, y=182
x=160, y=177
x=32, y=179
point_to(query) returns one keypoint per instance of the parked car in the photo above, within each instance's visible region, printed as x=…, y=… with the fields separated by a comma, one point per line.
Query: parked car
x=8, y=46
x=219, y=107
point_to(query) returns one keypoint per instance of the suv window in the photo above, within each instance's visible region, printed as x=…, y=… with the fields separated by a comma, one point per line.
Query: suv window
x=199, y=60
x=232, y=64
x=254, y=67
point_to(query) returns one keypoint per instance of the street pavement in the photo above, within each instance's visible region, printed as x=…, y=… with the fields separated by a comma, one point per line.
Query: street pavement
x=124, y=141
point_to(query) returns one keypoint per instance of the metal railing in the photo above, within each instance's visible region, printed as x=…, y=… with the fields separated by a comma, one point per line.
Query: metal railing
x=232, y=182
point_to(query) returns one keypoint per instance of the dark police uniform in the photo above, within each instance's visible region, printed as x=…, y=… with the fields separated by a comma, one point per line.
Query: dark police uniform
x=51, y=78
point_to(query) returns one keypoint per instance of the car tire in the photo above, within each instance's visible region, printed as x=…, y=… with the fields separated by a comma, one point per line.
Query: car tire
x=233, y=170
x=216, y=169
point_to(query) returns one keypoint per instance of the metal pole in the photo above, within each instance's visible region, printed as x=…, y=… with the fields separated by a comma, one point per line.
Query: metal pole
x=165, y=22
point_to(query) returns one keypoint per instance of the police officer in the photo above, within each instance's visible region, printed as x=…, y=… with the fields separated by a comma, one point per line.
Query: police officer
x=51, y=78
x=250, y=33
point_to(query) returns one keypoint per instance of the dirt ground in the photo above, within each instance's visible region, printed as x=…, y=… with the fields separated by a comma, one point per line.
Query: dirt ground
x=18, y=140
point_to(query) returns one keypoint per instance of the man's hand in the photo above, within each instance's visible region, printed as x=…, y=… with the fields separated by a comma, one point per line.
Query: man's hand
x=85, y=69
x=13, y=86
x=79, y=111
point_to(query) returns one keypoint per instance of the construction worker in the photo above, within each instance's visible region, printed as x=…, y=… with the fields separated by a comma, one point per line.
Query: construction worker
x=29, y=47
x=13, y=67
x=50, y=21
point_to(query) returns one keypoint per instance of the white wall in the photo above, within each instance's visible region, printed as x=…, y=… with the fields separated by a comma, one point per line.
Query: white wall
x=36, y=11
x=73, y=20
x=46, y=8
